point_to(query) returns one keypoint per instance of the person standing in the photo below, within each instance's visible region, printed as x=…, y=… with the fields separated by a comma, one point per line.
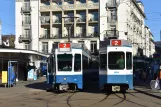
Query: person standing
x=159, y=76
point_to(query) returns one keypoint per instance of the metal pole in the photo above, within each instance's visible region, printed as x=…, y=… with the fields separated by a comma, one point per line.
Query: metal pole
x=68, y=33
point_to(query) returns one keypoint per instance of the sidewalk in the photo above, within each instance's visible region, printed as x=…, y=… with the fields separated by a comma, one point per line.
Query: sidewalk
x=145, y=88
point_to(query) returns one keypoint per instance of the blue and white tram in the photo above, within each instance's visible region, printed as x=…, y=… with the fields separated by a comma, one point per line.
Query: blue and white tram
x=71, y=63
x=115, y=71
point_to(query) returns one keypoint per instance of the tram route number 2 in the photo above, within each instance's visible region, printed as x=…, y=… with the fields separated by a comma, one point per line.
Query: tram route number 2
x=64, y=45
x=116, y=42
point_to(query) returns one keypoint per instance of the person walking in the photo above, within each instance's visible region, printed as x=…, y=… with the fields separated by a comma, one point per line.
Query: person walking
x=159, y=76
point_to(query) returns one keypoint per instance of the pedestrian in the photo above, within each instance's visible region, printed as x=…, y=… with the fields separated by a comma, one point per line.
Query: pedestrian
x=159, y=76
x=144, y=76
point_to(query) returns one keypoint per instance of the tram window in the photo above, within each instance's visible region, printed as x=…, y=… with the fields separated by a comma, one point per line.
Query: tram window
x=77, y=63
x=128, y=60
x=64, y=62
x=103, y=61
x=116, y=60
x=85, y=63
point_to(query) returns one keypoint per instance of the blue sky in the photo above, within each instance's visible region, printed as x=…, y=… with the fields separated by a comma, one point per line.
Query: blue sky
x=152, y=10
x=7, y=16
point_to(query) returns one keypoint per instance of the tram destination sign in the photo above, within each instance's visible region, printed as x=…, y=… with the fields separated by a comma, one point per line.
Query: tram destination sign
x=64, y=47
x=116, y=43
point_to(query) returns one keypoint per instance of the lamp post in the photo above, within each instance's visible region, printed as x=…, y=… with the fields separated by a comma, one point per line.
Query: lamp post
x=69, y=27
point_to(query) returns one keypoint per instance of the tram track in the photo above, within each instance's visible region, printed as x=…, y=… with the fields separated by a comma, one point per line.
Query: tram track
x=124, y=98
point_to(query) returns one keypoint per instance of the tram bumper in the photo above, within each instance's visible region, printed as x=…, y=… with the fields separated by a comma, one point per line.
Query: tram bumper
x=67, y=82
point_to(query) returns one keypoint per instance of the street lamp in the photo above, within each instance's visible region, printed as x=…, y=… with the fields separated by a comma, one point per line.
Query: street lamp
x=69, y=27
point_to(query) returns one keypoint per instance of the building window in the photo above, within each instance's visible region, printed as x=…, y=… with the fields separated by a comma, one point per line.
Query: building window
x=27, y=46
x=27, y=19
x=45, y=47
x=93, y=46
x=26, y=33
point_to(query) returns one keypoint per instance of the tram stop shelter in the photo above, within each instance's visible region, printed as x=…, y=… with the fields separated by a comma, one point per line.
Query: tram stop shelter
x=19, y=58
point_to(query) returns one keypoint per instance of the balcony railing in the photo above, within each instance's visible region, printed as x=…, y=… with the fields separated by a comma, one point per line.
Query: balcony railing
x=111, y=4
x=81, y=20
x=93, y=5
x=57, y=21
x=93, y=19
x=82, y=35
x=81, y=6
x=112, y=33
x=69, y=21
x=45, y=36
x=45, y=22
x=26, y=9
x=24, y=38
x=26, y=22
x=45, y=19
x=91, y=35
x=55, y=36
x=68, y=6
x=72, y=6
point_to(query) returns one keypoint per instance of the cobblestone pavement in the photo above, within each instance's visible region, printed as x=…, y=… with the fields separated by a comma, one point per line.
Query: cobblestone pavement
x=33, y=94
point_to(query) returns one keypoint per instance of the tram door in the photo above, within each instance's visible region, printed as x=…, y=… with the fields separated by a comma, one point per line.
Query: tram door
x=12, y=72
x=51, y=70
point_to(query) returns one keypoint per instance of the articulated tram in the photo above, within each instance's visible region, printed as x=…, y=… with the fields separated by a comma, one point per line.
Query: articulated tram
x=69, y=66
x=115, y=70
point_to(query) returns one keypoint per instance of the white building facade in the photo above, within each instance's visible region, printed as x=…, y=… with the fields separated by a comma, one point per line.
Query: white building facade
x=39, y=23
x=126, y=20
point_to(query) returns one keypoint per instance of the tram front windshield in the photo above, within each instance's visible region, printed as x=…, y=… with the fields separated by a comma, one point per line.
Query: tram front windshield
x=116, y=60
x=64, y=62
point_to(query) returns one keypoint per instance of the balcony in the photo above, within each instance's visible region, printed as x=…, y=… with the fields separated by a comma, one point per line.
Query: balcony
x=81, y=35
x=57, y=21
x=56, y=36
x=91, y=35
x=81, y=20
x=25, y=23
x=111, y=4
x=68, y=6
x=93, y=20
x=45, y=5
x=93, y=5
x=24, y=38
x=45, y=20
x=26, y=9
x=69, y=21
x=27, y=47
x=45, y=36
x=57, y=18
x=81, y=6
x=112, y=34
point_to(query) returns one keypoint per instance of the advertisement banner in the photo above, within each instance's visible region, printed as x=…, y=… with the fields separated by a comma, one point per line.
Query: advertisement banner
x=4, y=77
x=31, y=74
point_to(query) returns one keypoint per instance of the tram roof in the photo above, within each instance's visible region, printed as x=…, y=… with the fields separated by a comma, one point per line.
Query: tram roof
x=77, y=46
x=107, y=42
x=6, y=50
